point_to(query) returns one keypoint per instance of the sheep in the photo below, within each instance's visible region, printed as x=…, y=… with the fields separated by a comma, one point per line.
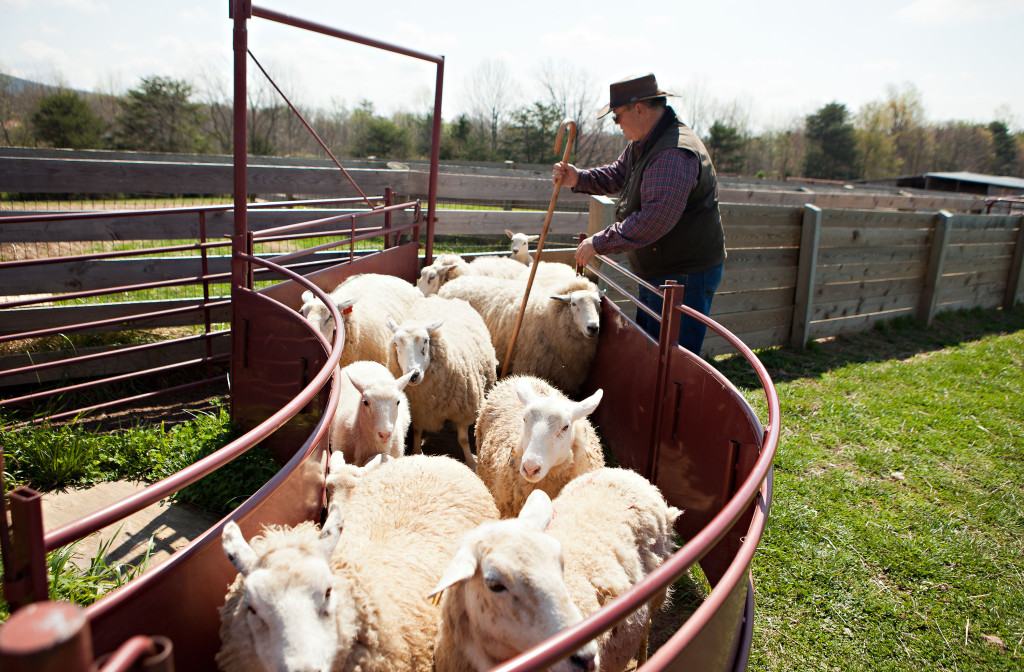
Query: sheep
x=502, y=593
x=520, y=247
x=437, y=273
x=558, y=335
x=365, y=301
x=373, y=413
x=531, y=436
x=352, y=596
x=445, y=348
x=505, y=589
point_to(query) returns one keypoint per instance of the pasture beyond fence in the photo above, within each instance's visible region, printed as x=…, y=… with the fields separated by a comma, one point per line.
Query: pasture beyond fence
x=802, y=265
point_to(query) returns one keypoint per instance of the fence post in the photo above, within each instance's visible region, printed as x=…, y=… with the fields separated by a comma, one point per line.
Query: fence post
x=940, y=241
x=807, y=268
x=1015, y=283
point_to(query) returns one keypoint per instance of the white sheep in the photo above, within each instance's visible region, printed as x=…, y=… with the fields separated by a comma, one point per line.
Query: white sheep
x=558, y=335
x=435, y=274
x=502, y=593
x=445, y=348
x=505, y=589
x=365, y=301
x=531, y=436
x=373, y=413
x=520, y=246
x=607, y=554
x=354, y=601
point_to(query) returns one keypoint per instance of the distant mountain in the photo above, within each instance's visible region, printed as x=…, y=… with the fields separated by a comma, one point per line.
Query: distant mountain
x=18, y=85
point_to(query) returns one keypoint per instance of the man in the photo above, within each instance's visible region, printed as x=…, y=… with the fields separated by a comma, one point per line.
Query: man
x=667, y=217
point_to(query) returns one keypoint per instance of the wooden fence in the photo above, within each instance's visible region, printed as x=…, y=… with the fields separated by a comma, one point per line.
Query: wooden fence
x=801, y=265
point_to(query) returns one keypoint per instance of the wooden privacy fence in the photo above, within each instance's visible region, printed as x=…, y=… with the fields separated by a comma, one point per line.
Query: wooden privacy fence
x=795, y=271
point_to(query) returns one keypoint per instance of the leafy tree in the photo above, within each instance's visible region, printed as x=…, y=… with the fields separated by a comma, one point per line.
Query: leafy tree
x=64, y=120
x=832, y=144
x=875, y=145
x=727, y=147
x=961, y=145
x=158, y=117
x=1004, y=148
x=906, y=124
x=377, y=136
x=530, y=138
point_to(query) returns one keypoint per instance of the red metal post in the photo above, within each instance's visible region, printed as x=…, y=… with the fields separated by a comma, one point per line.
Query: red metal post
x=25, y=579
x=435, y=155
x=667, y=339
x=241, y=11
x=46, y=637
x=388, y=198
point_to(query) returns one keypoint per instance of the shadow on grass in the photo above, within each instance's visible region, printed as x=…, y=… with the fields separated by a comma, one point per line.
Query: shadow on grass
x=901, y=338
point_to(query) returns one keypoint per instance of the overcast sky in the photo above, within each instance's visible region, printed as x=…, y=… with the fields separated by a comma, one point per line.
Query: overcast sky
x=778, y=60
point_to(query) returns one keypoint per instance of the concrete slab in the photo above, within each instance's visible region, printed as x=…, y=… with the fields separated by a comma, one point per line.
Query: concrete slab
x=171, y=526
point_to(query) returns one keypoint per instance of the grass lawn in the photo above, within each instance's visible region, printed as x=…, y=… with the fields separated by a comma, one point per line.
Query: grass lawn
x=896, y=534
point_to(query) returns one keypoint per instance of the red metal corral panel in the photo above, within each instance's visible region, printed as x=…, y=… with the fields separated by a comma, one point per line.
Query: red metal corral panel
x=709, y=440
x=401, y=261
x=625, y=368
x=278, y=360
x=180, y=598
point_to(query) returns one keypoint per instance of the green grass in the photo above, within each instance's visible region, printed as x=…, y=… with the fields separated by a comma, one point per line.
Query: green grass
x=895, y=535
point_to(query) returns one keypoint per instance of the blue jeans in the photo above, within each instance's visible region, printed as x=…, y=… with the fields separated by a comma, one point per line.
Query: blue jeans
x=700, y=289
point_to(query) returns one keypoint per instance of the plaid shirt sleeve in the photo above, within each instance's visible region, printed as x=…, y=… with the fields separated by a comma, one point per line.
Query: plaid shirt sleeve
x=666, y=185
x=604, y=180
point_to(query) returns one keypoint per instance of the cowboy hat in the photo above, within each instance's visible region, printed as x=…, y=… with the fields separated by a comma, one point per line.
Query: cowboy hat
x=632, y=90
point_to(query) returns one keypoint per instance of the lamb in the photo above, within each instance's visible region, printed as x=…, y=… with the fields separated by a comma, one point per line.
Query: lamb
x=558, y=336
x=521, y=246
x=373, y=413
x=445, y=348
x=365, y=301
x=505, y=589
x=351, y=596
x=531, y=436
x=448, y=267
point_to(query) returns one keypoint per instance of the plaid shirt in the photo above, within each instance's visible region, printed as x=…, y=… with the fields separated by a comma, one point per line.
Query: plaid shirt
x=666, y=185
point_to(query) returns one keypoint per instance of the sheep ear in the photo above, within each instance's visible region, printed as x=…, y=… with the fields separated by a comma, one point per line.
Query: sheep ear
x=525, y=391
x=403, y=381
x=434, y=326
x=336, y=462
x=532, y=238
x=508, y=233
x=346, y=304
x=237, y=549
x=564, y=298
x=584, y=408
x=360, y=385
x=392, y=325
x=461, y=568
x=376, y=462
x=537, y=511
x=330, y=532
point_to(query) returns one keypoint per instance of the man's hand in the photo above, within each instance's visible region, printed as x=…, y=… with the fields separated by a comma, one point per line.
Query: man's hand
x=585, y=252
x=567, y=173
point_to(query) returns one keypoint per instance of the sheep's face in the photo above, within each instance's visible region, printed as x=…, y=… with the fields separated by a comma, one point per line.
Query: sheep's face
x=429, y=281
x=514, y=592
x=585, y=308
x=288, y=600
x=549, y=429
x=521, y=247
x=380, y=402
x=412, y=343
x=314, y=310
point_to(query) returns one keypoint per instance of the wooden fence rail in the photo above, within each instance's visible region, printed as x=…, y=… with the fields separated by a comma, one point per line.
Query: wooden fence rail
x=796, y=271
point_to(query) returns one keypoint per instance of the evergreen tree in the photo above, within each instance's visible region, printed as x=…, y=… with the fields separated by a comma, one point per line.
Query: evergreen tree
x=158, y=117
x=727, y=147
x=65, y=120
x=530, y=138
x=832, y=144
x=1004, y=149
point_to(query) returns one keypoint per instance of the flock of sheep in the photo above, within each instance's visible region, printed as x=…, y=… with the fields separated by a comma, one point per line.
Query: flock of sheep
x=425, y=562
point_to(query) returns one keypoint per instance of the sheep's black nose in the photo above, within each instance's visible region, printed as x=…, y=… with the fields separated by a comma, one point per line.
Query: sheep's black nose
x=583, y=662
x=592, y=329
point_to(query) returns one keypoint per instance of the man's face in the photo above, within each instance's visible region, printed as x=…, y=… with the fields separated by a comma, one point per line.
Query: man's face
x=629, y=119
